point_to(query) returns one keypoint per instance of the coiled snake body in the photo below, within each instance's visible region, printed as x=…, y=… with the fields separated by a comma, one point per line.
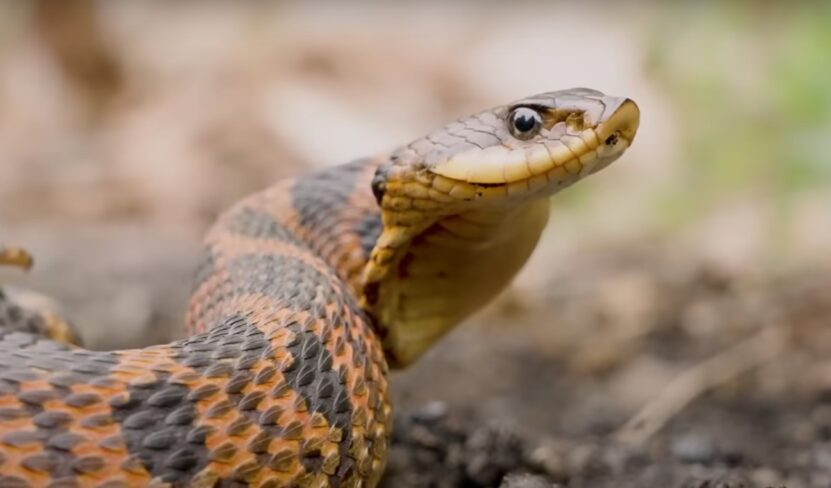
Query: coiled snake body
x=306, y=292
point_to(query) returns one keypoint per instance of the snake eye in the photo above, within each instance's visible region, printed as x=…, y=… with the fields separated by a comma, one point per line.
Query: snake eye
x=525, y=123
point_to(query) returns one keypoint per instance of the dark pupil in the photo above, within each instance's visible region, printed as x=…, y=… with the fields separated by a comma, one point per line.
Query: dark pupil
x=524, y=120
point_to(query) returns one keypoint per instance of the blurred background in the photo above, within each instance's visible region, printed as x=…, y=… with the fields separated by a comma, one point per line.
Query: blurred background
x=701, y=256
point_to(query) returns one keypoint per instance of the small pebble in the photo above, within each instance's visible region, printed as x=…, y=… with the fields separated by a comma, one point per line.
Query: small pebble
x=694, y=448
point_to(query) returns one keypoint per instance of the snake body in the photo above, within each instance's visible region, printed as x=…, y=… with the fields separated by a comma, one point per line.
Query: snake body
x=305, y=293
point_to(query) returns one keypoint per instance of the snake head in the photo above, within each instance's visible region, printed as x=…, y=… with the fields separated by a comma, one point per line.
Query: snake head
x=463, y=207
x=528, y=149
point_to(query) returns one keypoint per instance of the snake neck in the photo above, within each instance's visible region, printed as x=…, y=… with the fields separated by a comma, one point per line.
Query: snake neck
x=445, y=270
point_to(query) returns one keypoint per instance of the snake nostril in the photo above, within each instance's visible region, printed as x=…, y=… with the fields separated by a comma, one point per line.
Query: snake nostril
x=611, y=140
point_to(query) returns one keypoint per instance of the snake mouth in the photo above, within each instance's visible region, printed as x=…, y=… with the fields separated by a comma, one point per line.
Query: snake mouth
x=575, y=141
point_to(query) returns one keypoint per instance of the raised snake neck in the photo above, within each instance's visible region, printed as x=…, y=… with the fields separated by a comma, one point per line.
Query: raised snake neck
x=283, y=381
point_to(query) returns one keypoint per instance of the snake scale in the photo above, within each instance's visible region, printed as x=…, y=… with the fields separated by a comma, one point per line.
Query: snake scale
x=307, y=293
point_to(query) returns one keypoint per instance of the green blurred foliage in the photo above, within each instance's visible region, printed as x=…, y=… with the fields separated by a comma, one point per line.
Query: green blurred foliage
x=751, y=88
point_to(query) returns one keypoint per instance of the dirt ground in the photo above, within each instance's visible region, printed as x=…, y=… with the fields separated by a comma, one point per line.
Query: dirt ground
x=756, y=407
x=628, y=353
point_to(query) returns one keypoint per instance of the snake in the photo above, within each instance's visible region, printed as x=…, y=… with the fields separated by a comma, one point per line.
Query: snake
x=307, y=294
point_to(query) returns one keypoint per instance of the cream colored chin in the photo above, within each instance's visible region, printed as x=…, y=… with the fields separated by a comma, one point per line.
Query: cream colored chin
x=503, y=165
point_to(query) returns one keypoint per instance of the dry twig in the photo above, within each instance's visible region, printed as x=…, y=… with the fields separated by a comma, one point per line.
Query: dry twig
x=757, y=350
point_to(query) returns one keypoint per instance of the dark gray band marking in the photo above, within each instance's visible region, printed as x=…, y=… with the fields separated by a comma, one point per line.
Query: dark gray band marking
x=324, y=390
x=269, y=275
x=157, y=424
x=319, y=198
x=369, y=229
x=260, y=225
